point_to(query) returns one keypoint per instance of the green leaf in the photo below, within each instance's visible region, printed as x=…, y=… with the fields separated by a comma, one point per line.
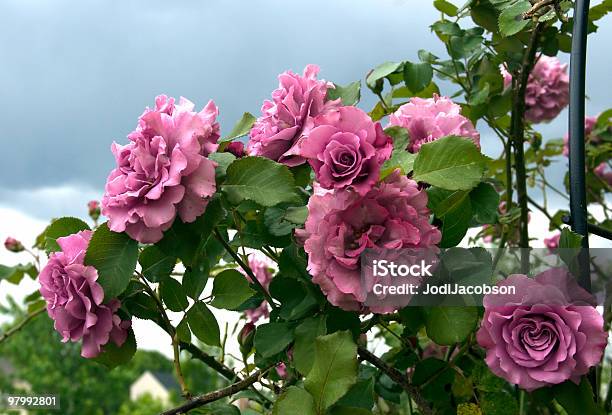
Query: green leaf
x=452, y=163
x=454, y=209
x=59, y=228
x=223, y=161
x=242, y=128
x=230, y=289
x=294, y=297
x=113, y=355
x=334, y=369
x=481, y=96
x=15, y=274
x=446, y=7
x=294, y=401
x=511, y=18
x=360, y=395
x=260, y=180
x=570, y=239
x=350, y=94
x=114, y=255
x=576, y=399
x=450, y=325
x=204, y=324
x=272, y=338
x=142, y=306
x=156, y=265
x=183, y=332
x=485, y=203
x=380, y=72
x=173, y=295
x=417, y=75
x=305, y=335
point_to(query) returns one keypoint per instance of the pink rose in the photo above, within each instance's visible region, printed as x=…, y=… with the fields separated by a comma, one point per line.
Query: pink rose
x=287, y=118
x=261, y=267
x=552, y=243
x=346, y=149
x=544, y=334
x=547, y=89
x=75, y=299
x=341, y=225
x=163, y=170
x=429, y=119
x=13, y=245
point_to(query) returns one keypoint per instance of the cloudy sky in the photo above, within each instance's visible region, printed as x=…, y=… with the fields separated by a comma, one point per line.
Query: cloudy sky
x=75, y=75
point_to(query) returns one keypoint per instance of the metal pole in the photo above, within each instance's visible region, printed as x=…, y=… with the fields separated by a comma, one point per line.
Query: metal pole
x=577, y=176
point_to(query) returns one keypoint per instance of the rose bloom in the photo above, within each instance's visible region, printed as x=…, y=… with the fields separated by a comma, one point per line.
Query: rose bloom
x=75, y=299
x=429, y=119
x=261, y=267
x=236, y=148
x=287, y=118
x=341, y=225
x=589, y=124
x=547, y=89
x=346, y=149
x=604, y=173
x=544, y=334
x=164, y=170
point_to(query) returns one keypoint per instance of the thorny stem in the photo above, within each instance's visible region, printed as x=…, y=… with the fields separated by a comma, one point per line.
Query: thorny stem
x=171, y=330
x=201, y=400
x=398, y=377
x=518, y=140
x=20, y=325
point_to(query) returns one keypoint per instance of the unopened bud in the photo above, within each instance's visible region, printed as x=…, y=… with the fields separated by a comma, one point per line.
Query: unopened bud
x=94, y=209
x=236, y=148
x=245, y=338
x=13, y=245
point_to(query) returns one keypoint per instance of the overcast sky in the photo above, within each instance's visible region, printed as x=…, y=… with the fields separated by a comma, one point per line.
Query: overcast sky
x=75, y=75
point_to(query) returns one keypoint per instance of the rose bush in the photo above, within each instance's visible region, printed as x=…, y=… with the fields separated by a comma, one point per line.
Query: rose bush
x=271, y=224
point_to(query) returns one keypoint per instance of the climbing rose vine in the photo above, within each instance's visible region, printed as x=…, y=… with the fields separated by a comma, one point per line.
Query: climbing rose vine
x=249, y=246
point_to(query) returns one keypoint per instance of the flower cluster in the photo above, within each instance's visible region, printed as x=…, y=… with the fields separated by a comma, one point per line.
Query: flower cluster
x=287, y=119
x=547, y=91
x=429, y=119
x=545, y=333
x=75, y=300
x=164, y=170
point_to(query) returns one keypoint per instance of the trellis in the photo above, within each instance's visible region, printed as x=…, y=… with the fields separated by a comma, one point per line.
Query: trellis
x=577, y=175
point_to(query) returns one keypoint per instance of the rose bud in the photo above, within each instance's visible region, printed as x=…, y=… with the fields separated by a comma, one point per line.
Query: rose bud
x=236, y=148
x=94, y=209
x=13, y=245
x=245, y=338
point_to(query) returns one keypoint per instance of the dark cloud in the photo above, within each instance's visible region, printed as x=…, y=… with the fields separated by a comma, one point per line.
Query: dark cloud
x=76, y=74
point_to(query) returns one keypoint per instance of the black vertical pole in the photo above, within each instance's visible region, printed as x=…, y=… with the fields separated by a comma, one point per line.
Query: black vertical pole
x=577, y=176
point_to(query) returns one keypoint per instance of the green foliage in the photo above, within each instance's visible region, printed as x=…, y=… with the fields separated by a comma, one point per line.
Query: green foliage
x=450, y=325
x=58, y=228
x=417, y=76
x=452, y=163
x=242, y=128
x=114, y=255
x=334, y=369
x=15, y=274
x=349, y=95
x=203, y=324
x=173, y=295
x=260, y=180
x=295, y=401
x=272, y=338
x=305, y=335
x=230, y=289
x=113, y=355
x=156, y=265
x=511, y=19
